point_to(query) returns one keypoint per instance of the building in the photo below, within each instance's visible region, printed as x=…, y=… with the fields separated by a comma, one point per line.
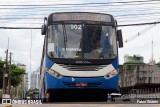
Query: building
x=22, y=66
x=35, y=79
x=25, y=82
x=135, y=74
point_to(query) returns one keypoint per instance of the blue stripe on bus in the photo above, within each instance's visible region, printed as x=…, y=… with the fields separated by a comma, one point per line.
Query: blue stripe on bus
x=49, y=62
x=115, y=63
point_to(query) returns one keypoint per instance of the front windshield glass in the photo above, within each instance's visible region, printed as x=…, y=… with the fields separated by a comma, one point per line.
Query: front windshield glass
x=64, y=41
x=93, y=42
x=99, y=42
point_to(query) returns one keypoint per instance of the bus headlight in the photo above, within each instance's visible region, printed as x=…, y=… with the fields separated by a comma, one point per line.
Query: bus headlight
x=110, y=74
x=54, y=73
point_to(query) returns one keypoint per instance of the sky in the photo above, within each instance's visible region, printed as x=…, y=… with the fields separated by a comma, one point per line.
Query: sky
x=26, y=44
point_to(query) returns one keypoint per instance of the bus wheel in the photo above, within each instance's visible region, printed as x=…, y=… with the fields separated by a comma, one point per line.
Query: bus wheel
x=106, y=97
x=48, y=97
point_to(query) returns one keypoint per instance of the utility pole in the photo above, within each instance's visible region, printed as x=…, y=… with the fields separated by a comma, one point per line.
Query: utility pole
x=152, y=61
x=9, y=74
x=5, y=75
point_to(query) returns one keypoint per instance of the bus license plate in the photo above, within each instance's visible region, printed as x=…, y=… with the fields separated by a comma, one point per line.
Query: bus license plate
x=81, y=84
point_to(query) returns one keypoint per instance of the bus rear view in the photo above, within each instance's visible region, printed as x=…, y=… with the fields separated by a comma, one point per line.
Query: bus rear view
x=80, y=54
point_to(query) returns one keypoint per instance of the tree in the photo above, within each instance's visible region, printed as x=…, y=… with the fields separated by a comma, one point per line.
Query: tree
x=16, y=75
x=1, y=73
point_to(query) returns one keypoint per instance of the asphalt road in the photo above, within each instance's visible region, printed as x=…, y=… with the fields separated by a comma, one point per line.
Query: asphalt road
x=118, y=103
x=85, y=105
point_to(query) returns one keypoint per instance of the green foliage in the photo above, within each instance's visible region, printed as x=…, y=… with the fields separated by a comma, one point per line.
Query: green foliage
x=134, y=60
x=16, y=75
x=158, y=64
x=1, y=68
x=17, y=71
x=1, y=72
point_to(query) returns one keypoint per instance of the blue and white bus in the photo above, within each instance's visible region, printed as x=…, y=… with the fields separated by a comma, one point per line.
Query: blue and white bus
x=80, y=54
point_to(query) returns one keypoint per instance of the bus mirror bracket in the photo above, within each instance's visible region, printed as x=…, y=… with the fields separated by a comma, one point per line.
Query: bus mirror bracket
x=120, y=38
x=44, y=27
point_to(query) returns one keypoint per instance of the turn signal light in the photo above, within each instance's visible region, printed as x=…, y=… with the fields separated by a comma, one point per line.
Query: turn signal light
x=110, y=74
x=113, y=72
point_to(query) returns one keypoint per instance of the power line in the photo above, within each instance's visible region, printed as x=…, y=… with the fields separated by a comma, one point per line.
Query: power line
x=20, y=28
x=99, y=10
x=82, y=6
x=21, y=18
x=137, y=17
x=126, y=15
x=26, y=23
x=88, y=3
x=118, y=17
x=138, y=14
x=31, y=1
x=138, y=24
x=117, y=11
x=120, y=9
x=143, y=31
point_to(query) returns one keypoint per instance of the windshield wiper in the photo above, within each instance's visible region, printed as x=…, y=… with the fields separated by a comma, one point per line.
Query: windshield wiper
x=64, y=35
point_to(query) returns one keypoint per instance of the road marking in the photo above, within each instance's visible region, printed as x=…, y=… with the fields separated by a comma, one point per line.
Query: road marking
x=108, y=105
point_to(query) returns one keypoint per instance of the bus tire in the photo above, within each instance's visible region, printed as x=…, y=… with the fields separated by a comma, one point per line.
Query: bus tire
x=48, y=97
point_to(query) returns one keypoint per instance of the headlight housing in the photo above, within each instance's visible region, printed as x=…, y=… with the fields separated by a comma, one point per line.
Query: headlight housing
x=53, y=73
x=111, y=74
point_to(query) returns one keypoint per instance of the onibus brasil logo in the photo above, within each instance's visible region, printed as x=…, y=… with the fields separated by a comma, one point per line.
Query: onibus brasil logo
x=19, y=101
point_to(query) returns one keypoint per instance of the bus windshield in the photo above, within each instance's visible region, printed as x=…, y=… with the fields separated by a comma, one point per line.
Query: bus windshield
x=82, y=41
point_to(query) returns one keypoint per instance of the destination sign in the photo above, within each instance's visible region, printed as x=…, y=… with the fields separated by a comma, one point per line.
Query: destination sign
x=81, y=16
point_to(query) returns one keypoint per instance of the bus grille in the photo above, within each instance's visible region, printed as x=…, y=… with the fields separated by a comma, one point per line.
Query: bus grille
x=90, y=85
x=83, y=67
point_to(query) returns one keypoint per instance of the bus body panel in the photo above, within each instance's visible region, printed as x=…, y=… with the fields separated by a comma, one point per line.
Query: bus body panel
x=70, y=82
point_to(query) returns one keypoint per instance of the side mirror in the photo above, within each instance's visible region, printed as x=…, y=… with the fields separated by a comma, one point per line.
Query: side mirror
x=120, y=38
x=43, y=30
x=44, y=27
